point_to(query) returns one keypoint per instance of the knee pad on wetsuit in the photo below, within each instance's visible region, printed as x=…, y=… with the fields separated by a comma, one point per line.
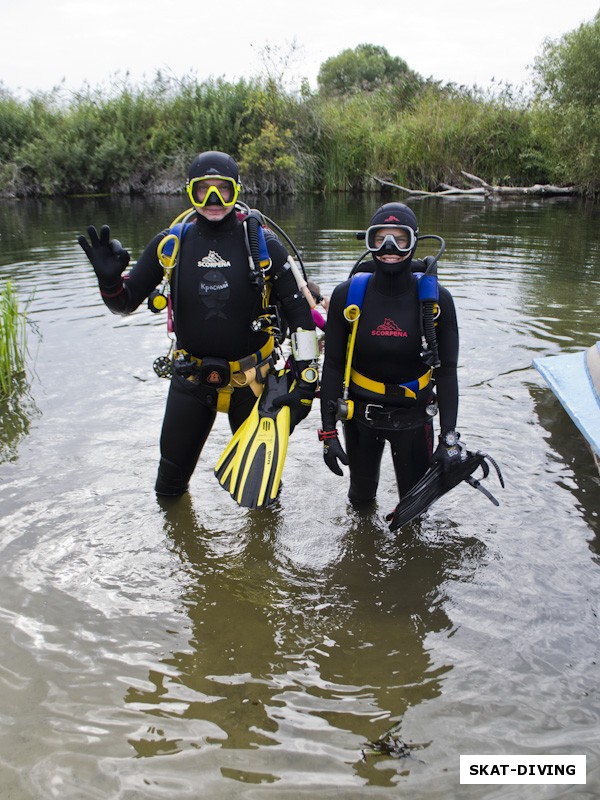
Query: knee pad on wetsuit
x=170, y=479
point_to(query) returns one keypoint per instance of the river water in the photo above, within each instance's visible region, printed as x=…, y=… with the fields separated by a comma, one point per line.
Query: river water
x=196, y=649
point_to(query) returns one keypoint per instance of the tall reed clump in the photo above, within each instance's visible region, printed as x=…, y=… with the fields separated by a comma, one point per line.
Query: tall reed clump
x=427, y=141
x=12, y=339
x=347, y=140
x=444, y=132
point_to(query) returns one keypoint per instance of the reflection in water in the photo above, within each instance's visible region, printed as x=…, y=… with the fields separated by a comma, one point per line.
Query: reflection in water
x=281, y=654
x=16, y=415
x=270, y=648
x=575, y=458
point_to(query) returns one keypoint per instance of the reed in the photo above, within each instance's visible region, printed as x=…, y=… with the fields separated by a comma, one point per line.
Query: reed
x=12, y=339
x=449, y=132
x=141, y=138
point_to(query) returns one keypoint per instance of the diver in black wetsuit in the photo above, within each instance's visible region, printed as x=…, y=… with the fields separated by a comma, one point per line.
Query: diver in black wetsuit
x=219, y=360
x=391, y=386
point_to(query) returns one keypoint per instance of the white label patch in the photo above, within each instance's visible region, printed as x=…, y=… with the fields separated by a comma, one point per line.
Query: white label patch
x=214, y=261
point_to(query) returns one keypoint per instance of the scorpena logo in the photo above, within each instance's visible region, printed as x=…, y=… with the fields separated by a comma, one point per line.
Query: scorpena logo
x=214, y=260
x=388, y=328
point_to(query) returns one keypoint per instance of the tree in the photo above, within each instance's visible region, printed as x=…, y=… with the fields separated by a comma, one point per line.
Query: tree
x=567, y=79
x=568, y=70
x=365, y=68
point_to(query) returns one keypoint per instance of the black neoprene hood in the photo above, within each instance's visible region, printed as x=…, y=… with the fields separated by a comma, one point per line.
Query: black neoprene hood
x=213, y=162
x=395, y=214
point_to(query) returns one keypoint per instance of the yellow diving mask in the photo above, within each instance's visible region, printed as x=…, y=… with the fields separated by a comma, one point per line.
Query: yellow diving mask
x=213, y=190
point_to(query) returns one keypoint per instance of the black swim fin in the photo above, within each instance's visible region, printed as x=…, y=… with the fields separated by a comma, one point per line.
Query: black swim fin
x=251, y=465
x=436, y=483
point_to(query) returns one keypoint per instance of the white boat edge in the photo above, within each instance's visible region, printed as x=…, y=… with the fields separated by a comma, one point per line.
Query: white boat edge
x=575, y=380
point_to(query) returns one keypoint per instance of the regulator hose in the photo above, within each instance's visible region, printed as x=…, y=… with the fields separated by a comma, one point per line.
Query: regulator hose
x=252, y=224
x=431, y=356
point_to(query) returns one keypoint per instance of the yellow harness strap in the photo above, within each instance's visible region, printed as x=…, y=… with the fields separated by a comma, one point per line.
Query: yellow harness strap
x=243, y=364
x=224, y=399
x=238, y=370
x=410, y=387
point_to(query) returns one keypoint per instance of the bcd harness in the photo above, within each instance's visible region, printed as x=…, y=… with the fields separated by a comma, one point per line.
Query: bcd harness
x=215, y=373
x=428, y=296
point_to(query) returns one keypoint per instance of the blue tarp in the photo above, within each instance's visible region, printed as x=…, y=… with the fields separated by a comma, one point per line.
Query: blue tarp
x=569, y=378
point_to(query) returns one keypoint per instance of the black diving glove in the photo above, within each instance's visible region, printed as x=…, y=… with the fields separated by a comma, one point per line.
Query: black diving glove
x=107, y=256
x=448, y=452
x=301, y=397
x=333, y=452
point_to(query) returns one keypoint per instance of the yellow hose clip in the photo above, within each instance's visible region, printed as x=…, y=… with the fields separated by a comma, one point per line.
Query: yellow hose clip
x=167, y=260
x=352, y=313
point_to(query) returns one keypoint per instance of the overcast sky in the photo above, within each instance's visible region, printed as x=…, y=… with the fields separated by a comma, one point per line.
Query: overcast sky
x=466, y=41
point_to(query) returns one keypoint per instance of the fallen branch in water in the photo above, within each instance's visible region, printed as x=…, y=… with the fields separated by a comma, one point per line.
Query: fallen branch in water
x=447, y=190
x=484, y=189
x=537, y=189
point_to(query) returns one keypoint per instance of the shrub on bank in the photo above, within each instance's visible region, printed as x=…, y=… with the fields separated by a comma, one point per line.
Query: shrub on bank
x=141, y=139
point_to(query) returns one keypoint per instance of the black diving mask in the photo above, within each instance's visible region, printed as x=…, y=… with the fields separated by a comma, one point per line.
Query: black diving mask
x=390, y=239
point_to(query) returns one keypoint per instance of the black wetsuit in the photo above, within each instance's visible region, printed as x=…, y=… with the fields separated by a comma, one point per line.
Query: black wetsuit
x=214, y=302
x=388, y=350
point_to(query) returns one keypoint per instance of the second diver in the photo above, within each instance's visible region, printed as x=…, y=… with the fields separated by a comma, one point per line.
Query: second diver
x=391, y=352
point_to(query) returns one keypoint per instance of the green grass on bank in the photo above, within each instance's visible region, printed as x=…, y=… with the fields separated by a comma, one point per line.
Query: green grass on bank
x=12, y=340
x=141, y=139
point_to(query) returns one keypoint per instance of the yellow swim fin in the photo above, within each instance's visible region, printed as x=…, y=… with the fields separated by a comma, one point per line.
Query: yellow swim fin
x=251, y=465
